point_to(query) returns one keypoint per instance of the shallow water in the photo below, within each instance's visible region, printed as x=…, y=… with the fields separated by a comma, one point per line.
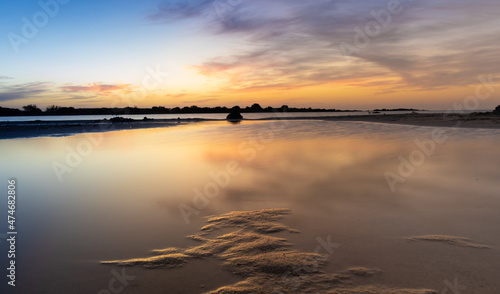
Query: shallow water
x=119, y=195
x=221, y=116
x=215, y=116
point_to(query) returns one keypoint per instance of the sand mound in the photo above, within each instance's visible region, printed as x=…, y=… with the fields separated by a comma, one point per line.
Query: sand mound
x=452, y=240
x=363, y=271
x=261, y=221
x=266, y=262
x=319, y=283
x=165, y=261
x=238, y=243
x=166, y=251
x=278, y=263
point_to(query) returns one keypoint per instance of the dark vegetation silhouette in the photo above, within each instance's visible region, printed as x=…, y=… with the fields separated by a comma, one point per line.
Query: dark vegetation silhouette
x=235, y=113
x=59, y=110
x=31, y=109
x=118, y=119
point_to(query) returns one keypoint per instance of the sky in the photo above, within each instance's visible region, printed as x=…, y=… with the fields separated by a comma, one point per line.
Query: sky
x=428, y=54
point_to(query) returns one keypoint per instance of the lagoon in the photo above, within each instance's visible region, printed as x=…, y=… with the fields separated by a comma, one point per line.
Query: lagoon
x=128, y=192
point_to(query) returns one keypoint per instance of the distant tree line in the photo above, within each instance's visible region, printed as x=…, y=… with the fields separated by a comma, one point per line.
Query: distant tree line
x=32, y=109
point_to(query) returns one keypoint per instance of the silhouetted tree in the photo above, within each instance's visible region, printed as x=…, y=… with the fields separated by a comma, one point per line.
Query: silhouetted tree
x=194, y=109
x=31, y=109
x=497, y=109
x=53, y=109
x=10, y=111
x=220, y=109
x=256, y=108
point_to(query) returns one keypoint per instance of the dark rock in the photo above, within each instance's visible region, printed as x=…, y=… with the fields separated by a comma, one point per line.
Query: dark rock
x=235, y=114
x=117, y=119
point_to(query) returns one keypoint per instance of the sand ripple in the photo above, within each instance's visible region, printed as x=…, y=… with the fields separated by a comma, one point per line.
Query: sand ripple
x=452, y=240
x=266, y=263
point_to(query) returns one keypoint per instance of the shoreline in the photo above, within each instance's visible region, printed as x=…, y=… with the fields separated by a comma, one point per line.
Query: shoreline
x=31, y=129
x=473, y=120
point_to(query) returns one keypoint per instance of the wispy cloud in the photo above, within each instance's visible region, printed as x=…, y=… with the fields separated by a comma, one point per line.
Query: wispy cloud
x=174, y=10
x=292, y=43
x=199, y=101
x=24, y=91
x=176, y=95
x=49, y=93
x=101, y=89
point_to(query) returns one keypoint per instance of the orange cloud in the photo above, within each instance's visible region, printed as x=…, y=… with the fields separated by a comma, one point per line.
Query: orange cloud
x=102, y=89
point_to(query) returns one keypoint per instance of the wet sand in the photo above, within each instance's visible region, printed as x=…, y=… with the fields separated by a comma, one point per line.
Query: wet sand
x=474, y=120
x=10, y=130
x=269, y=264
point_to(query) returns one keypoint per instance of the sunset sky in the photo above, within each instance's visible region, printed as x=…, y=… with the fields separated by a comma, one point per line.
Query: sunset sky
x=319, y=53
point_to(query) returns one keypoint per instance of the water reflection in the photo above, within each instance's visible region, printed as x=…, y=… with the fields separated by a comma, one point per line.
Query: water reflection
x=122, y=199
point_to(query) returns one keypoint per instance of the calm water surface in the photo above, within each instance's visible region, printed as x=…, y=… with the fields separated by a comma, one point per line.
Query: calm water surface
x=120, y=194
x=208, y=115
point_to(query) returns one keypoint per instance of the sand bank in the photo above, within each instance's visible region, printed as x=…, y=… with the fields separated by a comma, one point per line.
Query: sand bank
x=451, y=240
x=473, y=120
x=266, y=264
